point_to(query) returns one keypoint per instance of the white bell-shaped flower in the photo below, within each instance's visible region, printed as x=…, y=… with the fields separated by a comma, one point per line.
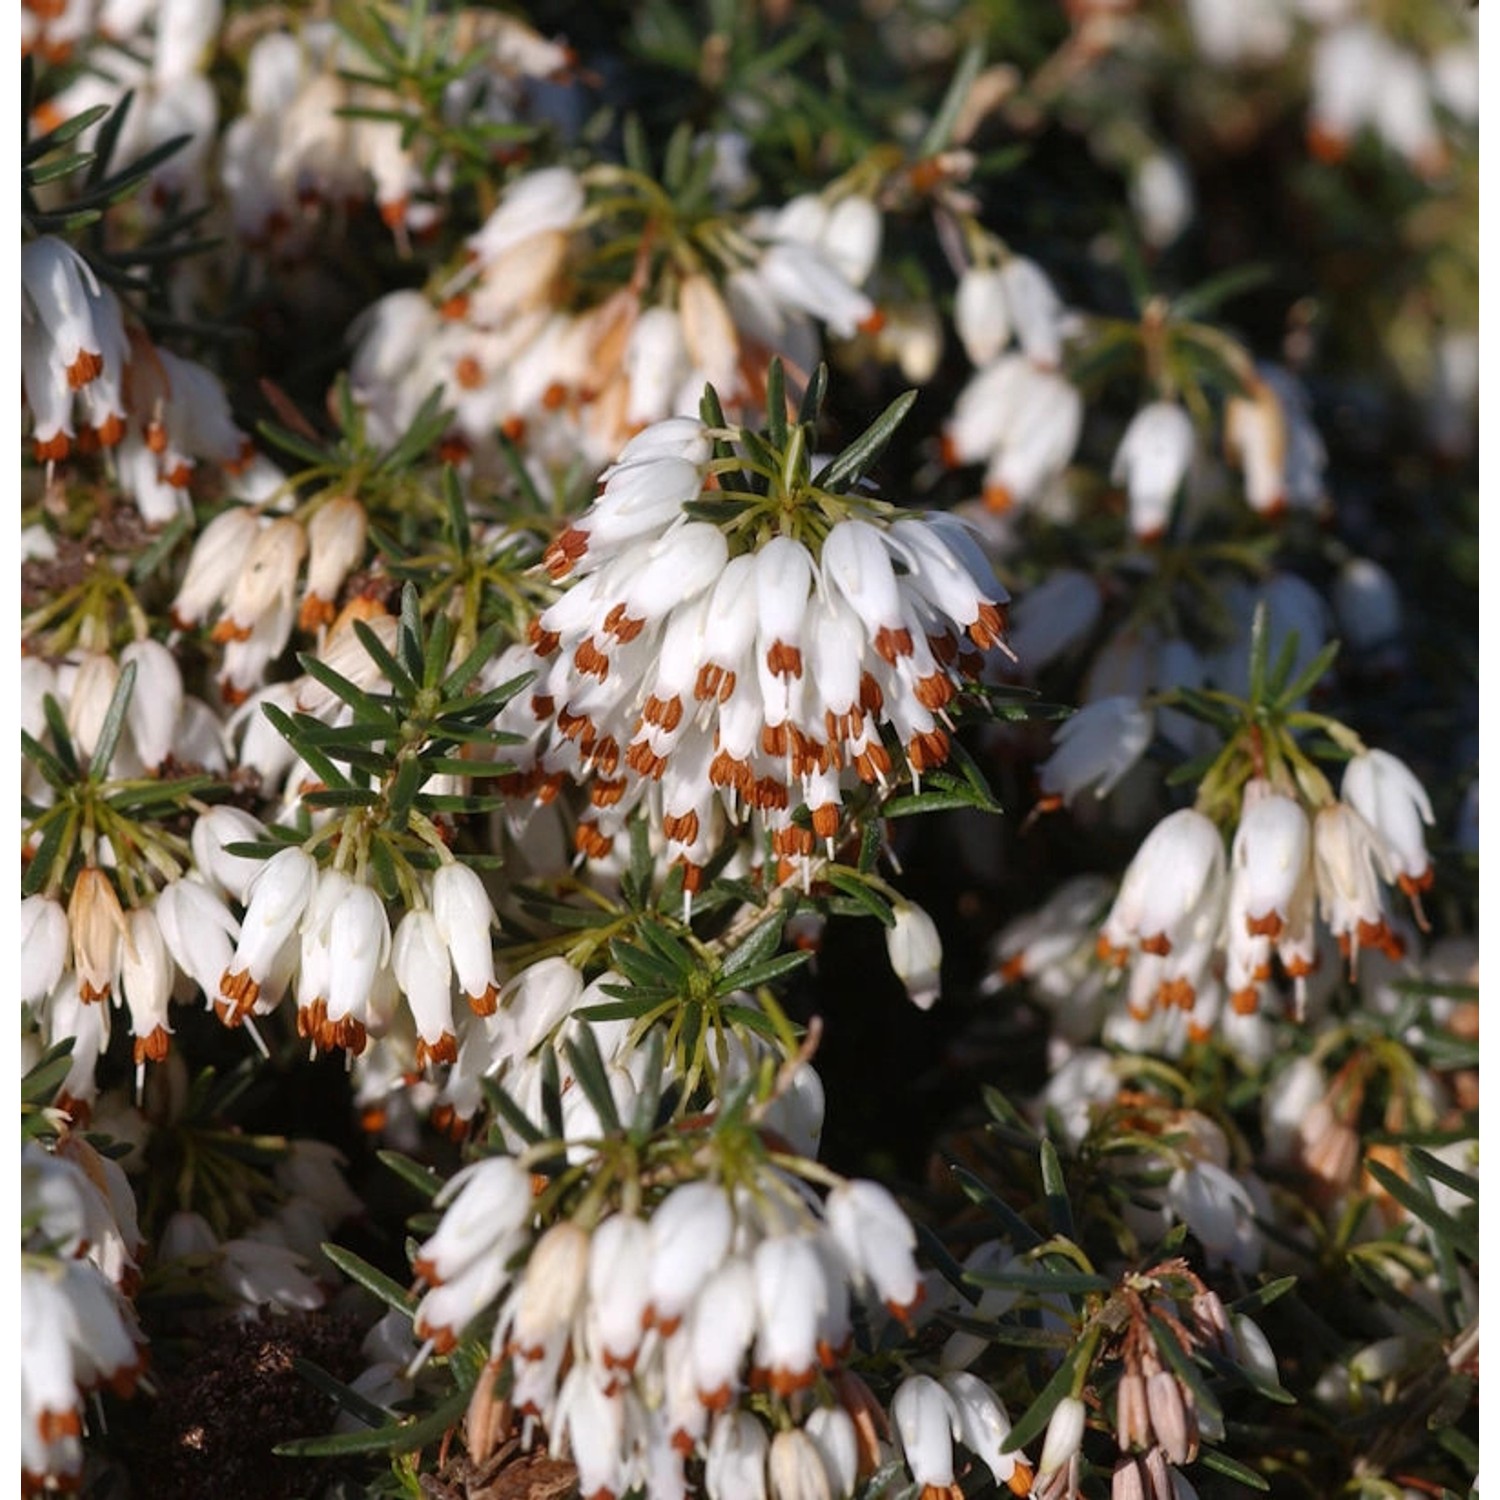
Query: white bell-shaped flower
x=916, y=953
x=927, y=1422
x=461, y=907
x=1151, y=462
x=1383, y=790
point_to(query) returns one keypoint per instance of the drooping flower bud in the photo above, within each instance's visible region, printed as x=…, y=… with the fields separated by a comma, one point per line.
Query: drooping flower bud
x=916, y=953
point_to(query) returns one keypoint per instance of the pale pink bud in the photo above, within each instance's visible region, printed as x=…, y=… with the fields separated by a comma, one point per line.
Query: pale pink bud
x=1132, y=1418
x=1129, y=1481
x=1176, y=1432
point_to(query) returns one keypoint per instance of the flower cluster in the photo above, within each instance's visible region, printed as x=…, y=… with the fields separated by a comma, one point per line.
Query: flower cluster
x=515, y=358
x=636, y=1340
x=330, y=936
x=717, y=676
x=1199, y=927
x=159, y=414
x=514, y=746
x=1018, y=415
x=78, y=1329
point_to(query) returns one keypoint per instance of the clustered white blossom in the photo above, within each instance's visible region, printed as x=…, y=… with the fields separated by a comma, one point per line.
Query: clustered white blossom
x=276, y=1264
x=636, y=1340
x=514, y=359
x=78, y=1329
x=1018, y=415
x=1362, y=78
x=92, y=380
x=1199, y=926
x=714, y=683
x=748, y=674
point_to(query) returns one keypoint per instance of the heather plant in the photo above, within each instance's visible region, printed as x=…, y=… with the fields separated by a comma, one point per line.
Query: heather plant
x=749, y=749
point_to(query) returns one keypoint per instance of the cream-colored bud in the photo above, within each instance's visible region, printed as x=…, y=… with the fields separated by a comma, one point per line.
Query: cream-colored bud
x=97, y=925
x=267, y=579
x=713, y=345
x=336, y=545
x=551, y=1287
